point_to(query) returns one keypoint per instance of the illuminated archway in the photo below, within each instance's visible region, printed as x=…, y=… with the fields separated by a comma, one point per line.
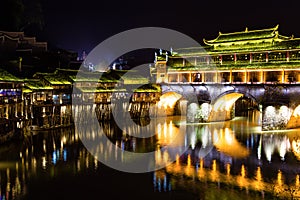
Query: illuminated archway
x=168, y=102
x=222, y=105
x=226, y=101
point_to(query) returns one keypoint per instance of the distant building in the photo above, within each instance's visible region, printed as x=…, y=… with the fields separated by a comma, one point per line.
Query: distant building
x=11, y=42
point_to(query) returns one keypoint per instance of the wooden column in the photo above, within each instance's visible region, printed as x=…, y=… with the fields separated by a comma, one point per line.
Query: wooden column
x=282, y=76
x=235, y=58
x=22, y=108
x=190, y=77
x=207, y=60
x=230, y=76
x=202, y=77
x=60, y=99
x=178, y=78
x=16, y=110
x=6, y=111
x=31, y=98
x=216, y=77
x=262, y=76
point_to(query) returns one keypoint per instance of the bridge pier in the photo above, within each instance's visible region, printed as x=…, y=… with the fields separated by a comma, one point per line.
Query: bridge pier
x=280, y=117
x=222, y=115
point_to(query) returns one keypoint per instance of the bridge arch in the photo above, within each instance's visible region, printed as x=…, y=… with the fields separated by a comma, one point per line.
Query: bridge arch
x=222, y=105
x=182, y=100
x=189, y=92
x=171, y=103
x=244, y=93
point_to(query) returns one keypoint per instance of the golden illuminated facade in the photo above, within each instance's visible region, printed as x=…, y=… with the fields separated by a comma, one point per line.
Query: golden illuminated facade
x=246, y=57
x=11, y=106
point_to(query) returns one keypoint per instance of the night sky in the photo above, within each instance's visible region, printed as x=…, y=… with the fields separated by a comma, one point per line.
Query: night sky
x=81, y=25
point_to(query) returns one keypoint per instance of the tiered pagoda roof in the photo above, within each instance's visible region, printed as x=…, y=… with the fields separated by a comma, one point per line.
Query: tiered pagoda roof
x=243, y=41
x=246, y=35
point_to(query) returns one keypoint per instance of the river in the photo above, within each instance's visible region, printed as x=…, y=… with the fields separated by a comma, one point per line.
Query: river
x=222, y=160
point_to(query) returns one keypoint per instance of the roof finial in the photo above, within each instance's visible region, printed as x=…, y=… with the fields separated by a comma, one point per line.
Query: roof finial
x=246, y=30
x=220, y=33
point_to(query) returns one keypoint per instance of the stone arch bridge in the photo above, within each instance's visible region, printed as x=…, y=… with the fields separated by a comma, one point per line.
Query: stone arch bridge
x=278, y=103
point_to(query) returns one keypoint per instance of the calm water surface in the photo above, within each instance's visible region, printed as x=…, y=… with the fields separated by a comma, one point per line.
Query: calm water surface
x=231, y=160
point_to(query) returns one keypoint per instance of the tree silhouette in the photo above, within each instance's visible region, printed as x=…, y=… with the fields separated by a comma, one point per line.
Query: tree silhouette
x=21, y=15
x=33, y=15
x=11, y=12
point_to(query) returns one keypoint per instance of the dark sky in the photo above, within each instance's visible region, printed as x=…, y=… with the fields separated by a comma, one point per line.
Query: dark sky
x=81, y=25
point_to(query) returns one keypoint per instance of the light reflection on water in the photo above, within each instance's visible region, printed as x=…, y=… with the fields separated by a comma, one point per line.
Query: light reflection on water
x=233, y=154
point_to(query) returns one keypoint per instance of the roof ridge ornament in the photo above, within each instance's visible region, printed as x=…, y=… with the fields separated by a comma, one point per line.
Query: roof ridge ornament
x=246, y=30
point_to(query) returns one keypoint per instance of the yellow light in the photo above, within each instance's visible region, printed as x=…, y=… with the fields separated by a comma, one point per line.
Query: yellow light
x=189, y=160
x=201, y=172
x=228, y=136
x=214, y=165
x=158, y=130
x=170, y=128
x=228, y=169
x=158, y=156
x=165, y=129
x=296, y=148
x=279, y=178
x=226, y=102
x=213, y=173
x=177, y=159
x=168, y=100
x=258, y=183
x=243, y=171
x=201, y=163
x=297, y=180
x=297, y=111
x=229, y=145
x=258, y=174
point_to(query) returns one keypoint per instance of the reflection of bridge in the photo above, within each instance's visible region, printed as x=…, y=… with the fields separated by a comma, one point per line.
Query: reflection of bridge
x=229, y=162
x=256, y=183
x=260, y=65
